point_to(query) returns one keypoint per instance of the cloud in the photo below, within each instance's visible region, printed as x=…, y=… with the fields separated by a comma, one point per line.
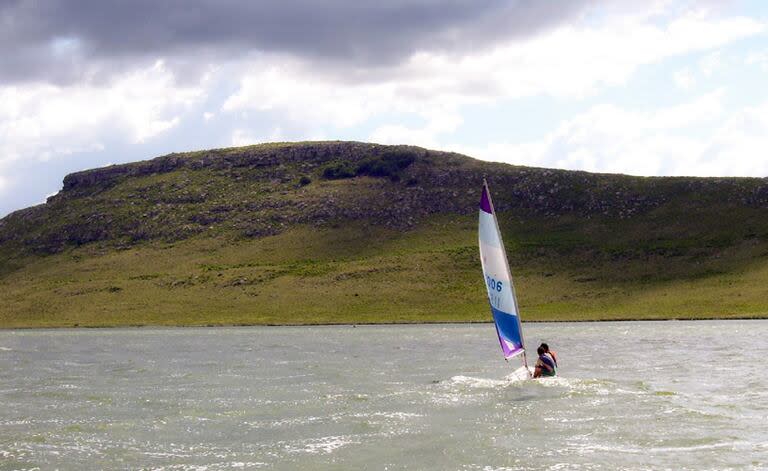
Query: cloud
x=684, y=79
x=710, y=63
x=738, y=146
x=55, y=38
x=288, y=89
x=757, y=58
x=242, y=137
x=666, y=141
x=569, y=62
x=42, y=120
x=439, y=123
x=443, y=56
x=246, y=137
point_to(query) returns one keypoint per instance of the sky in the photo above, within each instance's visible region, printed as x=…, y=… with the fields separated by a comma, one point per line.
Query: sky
x=656, y=87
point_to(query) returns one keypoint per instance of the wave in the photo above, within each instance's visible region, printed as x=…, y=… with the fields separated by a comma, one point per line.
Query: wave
x=479, y=383
x=567, y=386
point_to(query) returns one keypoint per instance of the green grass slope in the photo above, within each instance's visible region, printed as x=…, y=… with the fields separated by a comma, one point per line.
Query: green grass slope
x=338, y=232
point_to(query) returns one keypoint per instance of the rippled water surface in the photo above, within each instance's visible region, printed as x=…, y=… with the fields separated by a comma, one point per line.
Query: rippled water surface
x=634, y=395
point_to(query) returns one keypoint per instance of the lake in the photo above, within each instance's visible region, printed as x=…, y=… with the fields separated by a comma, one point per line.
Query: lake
x=631, y=395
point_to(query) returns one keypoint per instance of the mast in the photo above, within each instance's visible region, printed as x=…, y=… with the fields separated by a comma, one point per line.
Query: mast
x=509, y=275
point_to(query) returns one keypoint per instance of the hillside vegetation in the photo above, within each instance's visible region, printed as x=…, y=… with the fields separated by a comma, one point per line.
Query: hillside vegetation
x=332, y=232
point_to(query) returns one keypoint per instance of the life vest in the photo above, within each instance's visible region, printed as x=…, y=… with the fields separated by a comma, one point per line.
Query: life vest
x=547, y=360
x=552, y=355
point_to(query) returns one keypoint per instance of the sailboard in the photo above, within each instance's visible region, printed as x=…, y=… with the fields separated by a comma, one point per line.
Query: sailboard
x=498, y=282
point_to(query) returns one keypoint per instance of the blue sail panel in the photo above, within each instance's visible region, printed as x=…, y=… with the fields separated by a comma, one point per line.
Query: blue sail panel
x=508, y=328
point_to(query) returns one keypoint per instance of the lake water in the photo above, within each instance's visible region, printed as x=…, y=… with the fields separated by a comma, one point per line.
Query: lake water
x=632, y=395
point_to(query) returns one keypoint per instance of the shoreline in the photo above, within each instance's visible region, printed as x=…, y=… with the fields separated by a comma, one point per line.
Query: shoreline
x=382, y=324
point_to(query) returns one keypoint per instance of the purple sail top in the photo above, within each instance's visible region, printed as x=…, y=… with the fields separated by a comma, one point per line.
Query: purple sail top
x=485, y=202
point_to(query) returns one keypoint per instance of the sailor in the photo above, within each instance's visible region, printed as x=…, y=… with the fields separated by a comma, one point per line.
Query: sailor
x=545, y=366
x=549, y=352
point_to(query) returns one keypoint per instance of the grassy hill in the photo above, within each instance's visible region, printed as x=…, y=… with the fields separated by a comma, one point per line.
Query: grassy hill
x=329, y=232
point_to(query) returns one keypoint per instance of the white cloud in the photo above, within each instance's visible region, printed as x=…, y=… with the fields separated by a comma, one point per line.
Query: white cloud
x=759, y=59
x=42, y=121
x=683, y=79
x=286, y=87
x=569, y=62
x=245, y=137
x=242, y=137
x=738, y=147
x=662, y=142
x=710, y=63
x=573, y=62
x=437, y=123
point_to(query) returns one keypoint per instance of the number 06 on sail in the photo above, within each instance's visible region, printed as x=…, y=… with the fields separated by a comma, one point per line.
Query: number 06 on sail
x=498, y=282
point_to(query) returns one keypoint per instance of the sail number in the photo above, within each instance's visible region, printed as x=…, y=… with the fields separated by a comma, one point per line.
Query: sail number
x=493, y=285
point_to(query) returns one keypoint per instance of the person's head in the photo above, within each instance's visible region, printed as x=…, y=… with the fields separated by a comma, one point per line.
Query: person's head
x=545, y=347
x=540, y=351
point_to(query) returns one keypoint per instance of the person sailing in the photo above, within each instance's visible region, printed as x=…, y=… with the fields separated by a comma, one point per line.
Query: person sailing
x=549, y=352
x=545, y=365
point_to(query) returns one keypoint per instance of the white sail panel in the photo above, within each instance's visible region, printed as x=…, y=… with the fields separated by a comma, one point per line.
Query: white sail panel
x=494, y=262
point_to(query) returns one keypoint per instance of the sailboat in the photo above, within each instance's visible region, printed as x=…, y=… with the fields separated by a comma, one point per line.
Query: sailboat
x=498, y=281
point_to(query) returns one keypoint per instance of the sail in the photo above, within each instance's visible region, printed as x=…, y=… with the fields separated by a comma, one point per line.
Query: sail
x=498, y=280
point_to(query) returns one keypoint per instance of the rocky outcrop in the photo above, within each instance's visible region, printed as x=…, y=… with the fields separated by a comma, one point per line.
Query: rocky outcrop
x=270, y=155
x=262, y=190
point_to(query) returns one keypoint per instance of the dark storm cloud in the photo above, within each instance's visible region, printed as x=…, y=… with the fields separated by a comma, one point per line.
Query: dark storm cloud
x=64, y=40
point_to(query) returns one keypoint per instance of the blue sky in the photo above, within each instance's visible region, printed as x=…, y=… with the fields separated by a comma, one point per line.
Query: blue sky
x=662, y=88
